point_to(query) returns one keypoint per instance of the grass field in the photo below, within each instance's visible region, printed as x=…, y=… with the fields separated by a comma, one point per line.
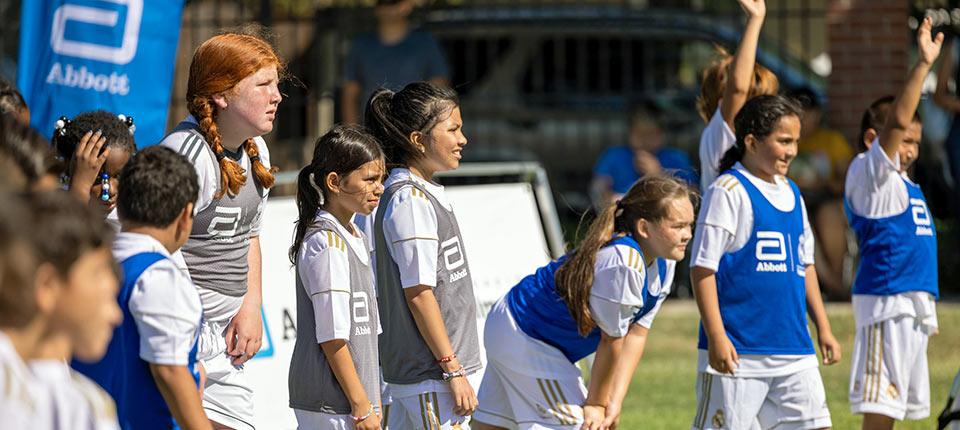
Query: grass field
x=662, y=391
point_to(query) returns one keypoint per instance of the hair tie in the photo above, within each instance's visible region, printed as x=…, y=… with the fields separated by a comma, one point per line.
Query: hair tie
x=128, y=120
x=313, y=183
x=60, y=127
x=219, y=155
x=255, y=159
x=619, y=208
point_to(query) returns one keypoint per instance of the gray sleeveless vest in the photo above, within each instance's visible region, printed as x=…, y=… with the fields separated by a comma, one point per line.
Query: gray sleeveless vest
x=312, y=384
x=216, y=252
x=404, y=355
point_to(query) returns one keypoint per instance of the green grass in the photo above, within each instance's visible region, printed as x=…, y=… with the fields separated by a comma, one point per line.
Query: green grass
x=662, y=393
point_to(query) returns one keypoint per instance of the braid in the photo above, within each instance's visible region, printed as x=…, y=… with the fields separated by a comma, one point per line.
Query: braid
x=232, y=176
x=263, y=175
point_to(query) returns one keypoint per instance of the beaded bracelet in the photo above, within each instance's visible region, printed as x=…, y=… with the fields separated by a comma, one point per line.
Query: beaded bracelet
x=358, y=420
x=459, y=373
x=446, y=359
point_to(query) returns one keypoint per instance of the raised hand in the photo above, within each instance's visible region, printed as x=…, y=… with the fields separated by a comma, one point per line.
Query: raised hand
x=754, y=8
x=928, y=46
x=88, y=160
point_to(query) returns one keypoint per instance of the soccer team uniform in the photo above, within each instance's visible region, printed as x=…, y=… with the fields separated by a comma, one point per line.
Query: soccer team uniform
x=895, y=289
x=756, y=237
x=336, y=299
x=418, y=242
x=533, y=344
x=77, y=401
x=715, y=140
x=216, y=256
x=161, y=324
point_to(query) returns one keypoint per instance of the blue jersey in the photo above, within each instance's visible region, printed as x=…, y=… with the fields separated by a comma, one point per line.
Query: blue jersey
x=761, y=287
x=122, y=372
x=543, y=315
x=897, y=253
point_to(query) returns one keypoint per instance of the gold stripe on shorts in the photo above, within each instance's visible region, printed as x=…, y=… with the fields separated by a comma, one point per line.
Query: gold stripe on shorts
x=436, y=409
x=544, y=386
x=567, y=408
x=707, y=390
x=427, y=424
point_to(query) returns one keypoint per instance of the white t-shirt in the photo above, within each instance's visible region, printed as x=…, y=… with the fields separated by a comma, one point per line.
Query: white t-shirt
x=207, y=176
x=725, y=225
x=324, y=270
x=410, y=227
x=618, y=289
x=164, y=303
x=24, y=400
x=715, y=140
x=79, y=403
x=875, y=189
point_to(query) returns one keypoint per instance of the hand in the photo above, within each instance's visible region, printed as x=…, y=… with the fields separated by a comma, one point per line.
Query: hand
x=88, y=160
x=754, y=8
x=464, y=397
x=723, y=355
x=593, y=417
x=371, y=423
x=929, y=47
x=245, y=333
x=647, y=163
x=829, y=348
x=611, y=418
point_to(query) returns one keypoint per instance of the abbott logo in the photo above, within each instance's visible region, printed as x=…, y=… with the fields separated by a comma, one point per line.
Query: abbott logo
x=921, y=217
x=103, y=17
x=452, y=253
x=771, y=252
x=226, y=222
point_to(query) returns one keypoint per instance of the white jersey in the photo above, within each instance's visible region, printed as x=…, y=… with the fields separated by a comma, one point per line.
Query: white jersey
x=715, y=140
x=24, y=400
x=324, y=269
x=875, y=189
x=78, y=402
x=410, y=225
x=726, y=228
x=618, y=288
x=164, y=303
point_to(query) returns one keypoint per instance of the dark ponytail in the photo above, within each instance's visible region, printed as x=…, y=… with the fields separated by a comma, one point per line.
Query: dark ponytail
x=393, y=117
x=758, y=117
x=649, y=199
x=341, y=150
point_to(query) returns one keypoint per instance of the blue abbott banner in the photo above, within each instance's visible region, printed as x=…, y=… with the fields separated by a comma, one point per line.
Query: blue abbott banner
x=115, y=55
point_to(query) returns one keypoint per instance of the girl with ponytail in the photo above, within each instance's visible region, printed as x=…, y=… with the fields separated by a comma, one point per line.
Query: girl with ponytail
x=601, y=297
x=334, y=372
x=232, y=96
x=754, y=281
x=430, y=351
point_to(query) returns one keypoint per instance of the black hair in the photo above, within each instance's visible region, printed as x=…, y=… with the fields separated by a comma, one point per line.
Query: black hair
x=876, y=116
x=26, y=151
x=758, y=117
x=118, y=133
x=645, y=109
x=807, y=98
x=341, y=150
x=155, y=185
x=65, y=229
x=392, y=117
x=18, y=264
x=11, y=101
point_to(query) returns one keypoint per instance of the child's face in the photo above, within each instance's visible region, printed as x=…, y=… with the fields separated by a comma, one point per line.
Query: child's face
x=112, y=167
x=668, y=237
x=87, y=309
x=444, y=146
x=251, y=105
x=773, y=154
x=360, y=190
x=646, y=135
x=910, y=146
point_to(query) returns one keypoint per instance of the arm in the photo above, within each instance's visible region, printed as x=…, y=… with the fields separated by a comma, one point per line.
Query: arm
x=87, y=162
x=602, y=377
x=426, y=313
x=945, y=71
x=903, y=109
x=723, y=356
x=740, y=76
x=341, y=363
x=350, y=102
x=829, y=347
x=245, y=332
x=179, y=390
x=626, y=366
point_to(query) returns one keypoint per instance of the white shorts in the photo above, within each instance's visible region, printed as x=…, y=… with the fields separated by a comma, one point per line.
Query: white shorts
x=889, y=374
x=227, y=395
x=426, y=411
x=527, y=383
x=796, y=401
x=309, y=420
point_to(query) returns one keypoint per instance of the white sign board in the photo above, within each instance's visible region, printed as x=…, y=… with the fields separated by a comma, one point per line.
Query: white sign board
x=504, y=239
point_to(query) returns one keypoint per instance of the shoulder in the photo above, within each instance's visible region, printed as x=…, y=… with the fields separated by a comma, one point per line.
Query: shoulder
x=165, y=279
x=409, y=195
x=263, y=150
x=322, y=239
x=192, y=145
x=620, y=256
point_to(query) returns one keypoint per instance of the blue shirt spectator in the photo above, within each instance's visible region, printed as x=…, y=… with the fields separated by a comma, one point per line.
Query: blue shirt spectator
x=618, y=164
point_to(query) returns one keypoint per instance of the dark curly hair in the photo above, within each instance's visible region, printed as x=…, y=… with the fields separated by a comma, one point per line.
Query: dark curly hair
x=758, y=117
x=116, y=131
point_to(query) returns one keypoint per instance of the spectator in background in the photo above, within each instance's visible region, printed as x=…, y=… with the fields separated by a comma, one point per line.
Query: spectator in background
x=819, y=170
x=645, y=154
x=394, y=55
x=12, y=103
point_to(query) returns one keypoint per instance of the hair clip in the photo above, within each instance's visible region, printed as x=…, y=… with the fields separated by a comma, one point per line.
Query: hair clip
x=313, y=183
x=60, y=127
x=104, y=187
x=128, y=120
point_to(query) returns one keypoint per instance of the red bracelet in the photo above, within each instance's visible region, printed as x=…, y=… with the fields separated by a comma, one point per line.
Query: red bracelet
x=446, y=359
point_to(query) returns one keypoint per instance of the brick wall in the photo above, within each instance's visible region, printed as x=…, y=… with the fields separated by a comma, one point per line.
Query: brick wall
x=868, y=45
